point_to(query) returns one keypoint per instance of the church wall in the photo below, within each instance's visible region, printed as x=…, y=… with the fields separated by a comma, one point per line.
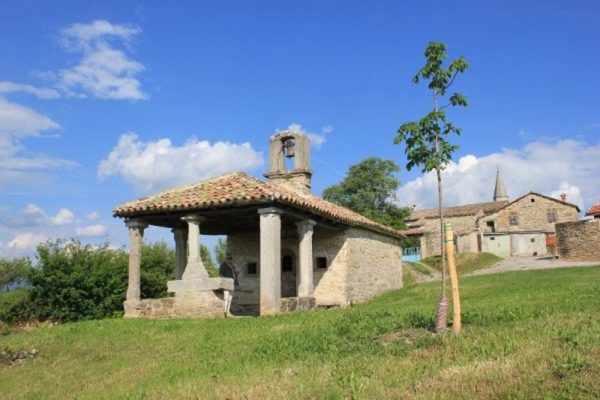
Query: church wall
x=374, y=264
x=330, y=282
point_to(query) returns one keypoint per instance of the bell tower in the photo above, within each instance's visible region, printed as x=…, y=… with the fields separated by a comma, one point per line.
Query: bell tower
x=291, y=148
x=500, y=193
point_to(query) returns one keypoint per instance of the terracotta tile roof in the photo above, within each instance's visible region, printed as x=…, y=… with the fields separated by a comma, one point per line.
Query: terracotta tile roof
x=459, y=211
x=594, y=211
x=238, y=189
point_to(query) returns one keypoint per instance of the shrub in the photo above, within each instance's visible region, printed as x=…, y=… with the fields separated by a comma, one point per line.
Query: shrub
x=73, y=281
x=15, y=306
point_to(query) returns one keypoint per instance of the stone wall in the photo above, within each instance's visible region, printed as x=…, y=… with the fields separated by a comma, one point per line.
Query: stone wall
x=185, y=305
x=579, y=241
x=431, y=244
x=374, y=264
x=531, y=212
x=467, y=243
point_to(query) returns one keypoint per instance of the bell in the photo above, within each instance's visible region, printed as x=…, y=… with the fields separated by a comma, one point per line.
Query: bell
x=288, y=148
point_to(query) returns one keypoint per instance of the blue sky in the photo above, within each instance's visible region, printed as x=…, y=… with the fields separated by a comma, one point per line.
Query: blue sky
x=103, y=102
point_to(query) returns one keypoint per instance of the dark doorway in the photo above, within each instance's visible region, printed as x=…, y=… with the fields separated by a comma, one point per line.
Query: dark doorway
x=288, y=274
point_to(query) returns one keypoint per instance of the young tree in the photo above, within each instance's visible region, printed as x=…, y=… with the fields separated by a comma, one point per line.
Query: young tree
x=369, y=189
x=427, y=142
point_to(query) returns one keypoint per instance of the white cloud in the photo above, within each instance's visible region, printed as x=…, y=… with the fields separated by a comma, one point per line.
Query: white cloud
x=547, y=167
x=91, y=230
x=104, y=70
x=26, y=240
x=317, y=140
x=18, y=120
x=42, y=93
x=82, y=34
x=16, y=164
x=63, y=217
x=152, y=166
x=33, y=216
x=93, y=215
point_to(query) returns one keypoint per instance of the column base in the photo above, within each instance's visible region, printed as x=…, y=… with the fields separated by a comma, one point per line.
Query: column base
x=289, y=304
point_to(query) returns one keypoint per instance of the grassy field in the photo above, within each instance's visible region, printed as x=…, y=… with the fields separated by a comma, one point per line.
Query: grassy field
x=530, y=334
x=465, y=262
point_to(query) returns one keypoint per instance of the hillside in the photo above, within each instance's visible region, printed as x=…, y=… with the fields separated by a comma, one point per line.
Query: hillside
x=526, y=335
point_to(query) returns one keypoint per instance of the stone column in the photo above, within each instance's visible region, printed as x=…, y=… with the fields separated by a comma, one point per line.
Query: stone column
x=181, y=237
x=270, y=260
x=305, y=270
x=194, y=270
x=136, y=235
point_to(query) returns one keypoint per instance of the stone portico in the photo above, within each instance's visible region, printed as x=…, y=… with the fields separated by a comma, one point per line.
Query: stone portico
x=290, y=250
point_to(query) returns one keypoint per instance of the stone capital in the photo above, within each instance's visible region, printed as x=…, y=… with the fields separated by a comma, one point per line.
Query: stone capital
x=270, y=210
x=136, y=224
x=193, y=218
x=305, y=225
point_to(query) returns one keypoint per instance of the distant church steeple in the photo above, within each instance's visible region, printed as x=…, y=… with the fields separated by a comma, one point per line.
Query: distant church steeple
x=500, y=193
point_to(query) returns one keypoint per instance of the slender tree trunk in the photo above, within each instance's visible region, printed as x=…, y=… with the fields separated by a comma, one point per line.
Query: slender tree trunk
x=441, y=324
x=442, y=246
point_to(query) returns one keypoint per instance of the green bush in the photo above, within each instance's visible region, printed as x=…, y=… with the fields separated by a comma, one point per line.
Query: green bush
x=15, y=306
x=74, y=282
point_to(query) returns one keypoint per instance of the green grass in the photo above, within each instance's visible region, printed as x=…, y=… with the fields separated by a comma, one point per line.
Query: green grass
x=419, y=267
x=466, y=262
x=530, y=334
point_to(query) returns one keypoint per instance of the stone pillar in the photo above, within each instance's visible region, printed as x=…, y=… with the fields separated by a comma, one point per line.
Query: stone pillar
x=181, y=237
x=270, y=260
x=194, y=269
x=136, y=235
x=305, y=270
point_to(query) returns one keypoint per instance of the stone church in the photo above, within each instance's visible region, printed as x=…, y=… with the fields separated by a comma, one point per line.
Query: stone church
x=287, y=248
x=522, y=227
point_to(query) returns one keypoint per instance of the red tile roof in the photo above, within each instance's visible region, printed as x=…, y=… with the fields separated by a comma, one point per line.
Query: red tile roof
x=594, y=211
x=238, y=189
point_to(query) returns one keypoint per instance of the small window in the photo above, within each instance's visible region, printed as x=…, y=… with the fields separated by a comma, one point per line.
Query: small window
x=492, y=238
x=513, y=219
x=251, y=268
x=287, y=263
x=552, y=216
x=533, y=200
x=532, y=240
x=321, y=262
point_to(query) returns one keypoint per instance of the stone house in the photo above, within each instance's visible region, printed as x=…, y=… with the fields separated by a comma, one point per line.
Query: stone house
x=288, y=248
x=522, y=227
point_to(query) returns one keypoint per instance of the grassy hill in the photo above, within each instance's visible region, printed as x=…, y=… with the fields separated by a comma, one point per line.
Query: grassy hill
x=526, y=335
